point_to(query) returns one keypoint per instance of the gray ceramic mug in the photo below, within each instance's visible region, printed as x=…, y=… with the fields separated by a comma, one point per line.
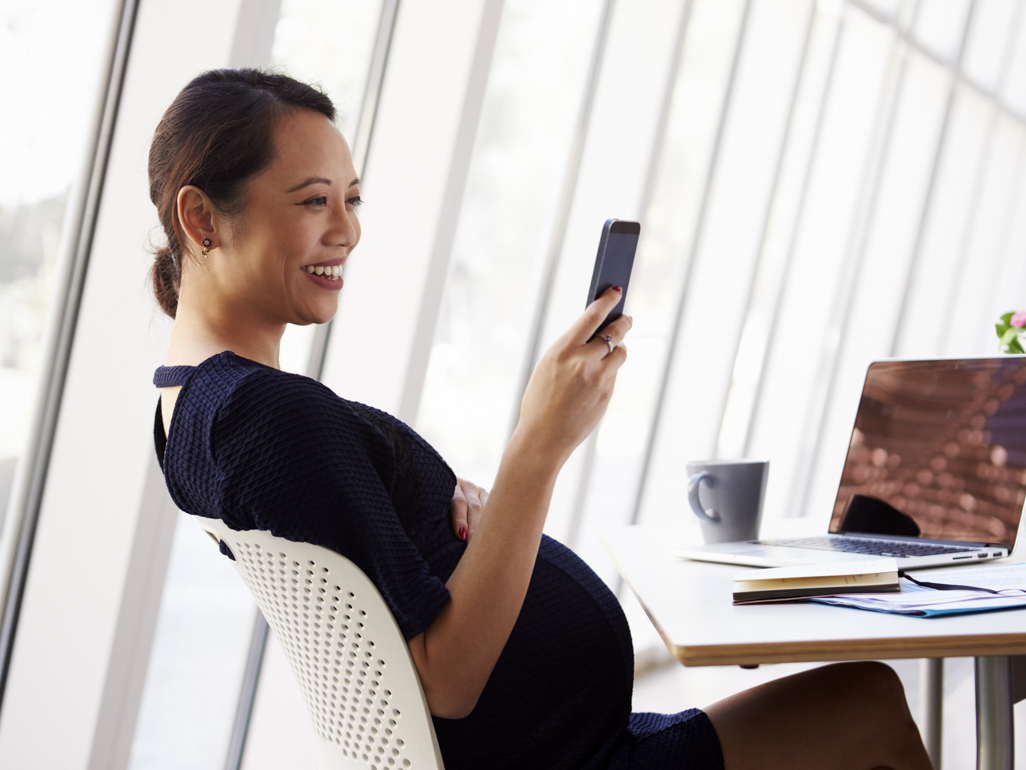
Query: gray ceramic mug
x=726, y=496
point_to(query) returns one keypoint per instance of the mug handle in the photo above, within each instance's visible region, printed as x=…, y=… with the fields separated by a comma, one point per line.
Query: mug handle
x=696, y=505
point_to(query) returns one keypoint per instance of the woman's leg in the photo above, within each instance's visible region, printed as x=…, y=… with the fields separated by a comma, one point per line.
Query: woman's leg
x=848, y=716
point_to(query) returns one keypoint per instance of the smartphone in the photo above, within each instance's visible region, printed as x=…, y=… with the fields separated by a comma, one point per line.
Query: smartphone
x=614, y=262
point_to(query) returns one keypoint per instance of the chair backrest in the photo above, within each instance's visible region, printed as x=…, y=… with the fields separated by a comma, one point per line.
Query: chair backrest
x=345, y=648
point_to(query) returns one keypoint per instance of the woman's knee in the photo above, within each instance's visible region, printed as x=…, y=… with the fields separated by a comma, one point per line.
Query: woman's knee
x=878, y=679
x=881, y=702
x=868, y=685
x=863, y=674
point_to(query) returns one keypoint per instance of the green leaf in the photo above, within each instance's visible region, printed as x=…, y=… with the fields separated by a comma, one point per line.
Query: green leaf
x=1015, y=346
x=1006, y=319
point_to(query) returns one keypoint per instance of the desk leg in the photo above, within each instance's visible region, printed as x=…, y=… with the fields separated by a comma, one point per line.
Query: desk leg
x=995, y=737
x=931, y=704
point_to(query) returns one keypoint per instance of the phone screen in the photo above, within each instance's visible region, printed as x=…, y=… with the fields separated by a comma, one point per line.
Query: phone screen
x=614, y=262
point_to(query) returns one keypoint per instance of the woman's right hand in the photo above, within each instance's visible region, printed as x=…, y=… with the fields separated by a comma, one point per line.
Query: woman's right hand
x=572, y=383
x=564, y=400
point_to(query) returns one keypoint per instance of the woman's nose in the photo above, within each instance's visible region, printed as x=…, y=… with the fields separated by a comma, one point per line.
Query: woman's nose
x=346, y=229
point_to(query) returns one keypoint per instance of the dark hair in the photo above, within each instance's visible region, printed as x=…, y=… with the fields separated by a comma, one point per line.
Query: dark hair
x=216, y=135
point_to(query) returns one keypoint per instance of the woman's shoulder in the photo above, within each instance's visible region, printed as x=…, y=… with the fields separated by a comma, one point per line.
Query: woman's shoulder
x=228, y=371
x=252, y=412
x=227, y=379
x=259, y=414
x=227, y=392
x=248, y=379
x=262, y=397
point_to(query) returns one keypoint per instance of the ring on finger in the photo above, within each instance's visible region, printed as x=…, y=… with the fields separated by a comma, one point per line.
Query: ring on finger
x=609, y=343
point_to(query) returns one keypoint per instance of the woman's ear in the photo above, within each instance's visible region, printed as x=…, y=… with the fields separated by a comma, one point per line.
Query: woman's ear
x=198, y=217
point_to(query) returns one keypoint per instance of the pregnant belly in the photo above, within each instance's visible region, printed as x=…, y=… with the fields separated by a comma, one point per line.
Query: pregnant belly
x=559, y=695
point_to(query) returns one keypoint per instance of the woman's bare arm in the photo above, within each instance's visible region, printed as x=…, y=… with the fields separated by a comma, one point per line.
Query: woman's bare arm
x=564, y=400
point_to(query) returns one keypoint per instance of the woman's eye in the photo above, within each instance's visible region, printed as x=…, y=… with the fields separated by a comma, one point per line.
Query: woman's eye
x=317, y=202
x=356, y=200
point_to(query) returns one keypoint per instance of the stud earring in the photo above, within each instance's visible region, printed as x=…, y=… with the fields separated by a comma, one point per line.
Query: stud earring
x=207, y=245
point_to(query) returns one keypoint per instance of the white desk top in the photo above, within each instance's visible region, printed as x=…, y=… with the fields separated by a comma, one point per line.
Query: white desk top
x=690, y=604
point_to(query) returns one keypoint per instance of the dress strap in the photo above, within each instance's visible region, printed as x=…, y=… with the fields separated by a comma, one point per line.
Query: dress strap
x=172, y=376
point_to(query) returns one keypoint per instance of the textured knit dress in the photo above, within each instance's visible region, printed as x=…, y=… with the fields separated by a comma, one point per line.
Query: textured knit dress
x=263, y=449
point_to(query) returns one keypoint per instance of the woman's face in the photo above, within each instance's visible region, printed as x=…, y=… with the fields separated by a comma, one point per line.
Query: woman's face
x=300, y=220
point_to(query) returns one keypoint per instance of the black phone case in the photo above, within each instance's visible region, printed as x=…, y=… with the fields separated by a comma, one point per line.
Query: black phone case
x=596, y=275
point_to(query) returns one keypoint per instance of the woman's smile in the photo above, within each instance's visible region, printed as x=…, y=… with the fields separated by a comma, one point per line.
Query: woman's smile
x=327, y=275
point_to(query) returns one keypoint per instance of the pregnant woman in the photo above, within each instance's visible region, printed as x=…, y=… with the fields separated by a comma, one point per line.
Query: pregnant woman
x=524, y=654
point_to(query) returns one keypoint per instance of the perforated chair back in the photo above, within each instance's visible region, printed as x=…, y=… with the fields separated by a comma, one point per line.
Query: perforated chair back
x=346, y=650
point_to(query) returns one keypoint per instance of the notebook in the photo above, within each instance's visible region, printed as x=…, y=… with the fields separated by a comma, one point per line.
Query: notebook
x=786, y=583
x=935, y=473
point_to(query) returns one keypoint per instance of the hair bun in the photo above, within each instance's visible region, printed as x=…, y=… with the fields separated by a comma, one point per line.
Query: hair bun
x=167, y=276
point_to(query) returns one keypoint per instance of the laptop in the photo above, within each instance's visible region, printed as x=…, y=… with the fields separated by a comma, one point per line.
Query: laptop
x=935, y=473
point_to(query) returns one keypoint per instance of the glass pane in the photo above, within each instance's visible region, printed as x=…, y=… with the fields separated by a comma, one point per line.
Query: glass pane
x=516, y=174
x=883, y=263
x=940, y=24
x=196, y=664
x=887, y=8
x=947, y=220
x=40, y=158
x=853, y=114
x=668, y=228
x=742, y=398
x=1014, y=87
x=740, y=190
x=726, y=256
x=968, y=330
x=989, y=39
x=329, y=44
x=1011, y=286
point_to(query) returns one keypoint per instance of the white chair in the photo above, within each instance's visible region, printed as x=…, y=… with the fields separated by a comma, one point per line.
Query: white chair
x=345, y=648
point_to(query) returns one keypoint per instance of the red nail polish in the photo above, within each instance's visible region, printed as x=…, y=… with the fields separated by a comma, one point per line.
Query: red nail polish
x=463, y=533
x=618, y=288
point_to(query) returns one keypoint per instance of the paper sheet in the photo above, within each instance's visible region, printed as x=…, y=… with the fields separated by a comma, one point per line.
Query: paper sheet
x=928, y=602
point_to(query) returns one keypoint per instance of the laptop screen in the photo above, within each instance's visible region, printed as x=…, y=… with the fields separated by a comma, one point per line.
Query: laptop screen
x=938, y=451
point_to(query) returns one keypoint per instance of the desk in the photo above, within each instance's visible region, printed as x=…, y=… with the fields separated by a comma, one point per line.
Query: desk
x=690, y=605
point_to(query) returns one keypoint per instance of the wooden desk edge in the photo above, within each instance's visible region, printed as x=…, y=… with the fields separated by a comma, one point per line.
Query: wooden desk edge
x=862, y=649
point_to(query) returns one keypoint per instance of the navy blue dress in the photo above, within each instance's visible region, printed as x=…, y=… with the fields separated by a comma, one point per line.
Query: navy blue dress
x=264, y=449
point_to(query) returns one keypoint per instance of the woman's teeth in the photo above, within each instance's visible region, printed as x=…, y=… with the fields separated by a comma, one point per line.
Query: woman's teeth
x=334, y=272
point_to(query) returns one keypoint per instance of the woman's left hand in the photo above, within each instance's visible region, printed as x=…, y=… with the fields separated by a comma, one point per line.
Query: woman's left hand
x=468, y=503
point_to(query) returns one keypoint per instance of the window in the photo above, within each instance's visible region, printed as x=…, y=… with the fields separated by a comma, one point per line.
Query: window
x=49, y=108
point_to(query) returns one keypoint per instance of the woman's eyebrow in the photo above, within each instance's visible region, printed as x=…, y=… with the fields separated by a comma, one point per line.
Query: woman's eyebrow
x=321, y=180
x=310, y=181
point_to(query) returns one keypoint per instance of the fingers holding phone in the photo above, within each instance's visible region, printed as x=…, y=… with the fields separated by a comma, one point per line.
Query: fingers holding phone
x=613, y=265
x=608, y=343
x=594, y=322
x=610, y=279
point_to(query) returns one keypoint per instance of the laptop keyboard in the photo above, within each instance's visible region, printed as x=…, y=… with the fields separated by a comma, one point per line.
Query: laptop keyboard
x=869, y=547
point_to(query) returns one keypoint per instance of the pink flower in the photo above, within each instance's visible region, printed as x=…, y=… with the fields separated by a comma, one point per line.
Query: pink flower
x=1019, y=319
